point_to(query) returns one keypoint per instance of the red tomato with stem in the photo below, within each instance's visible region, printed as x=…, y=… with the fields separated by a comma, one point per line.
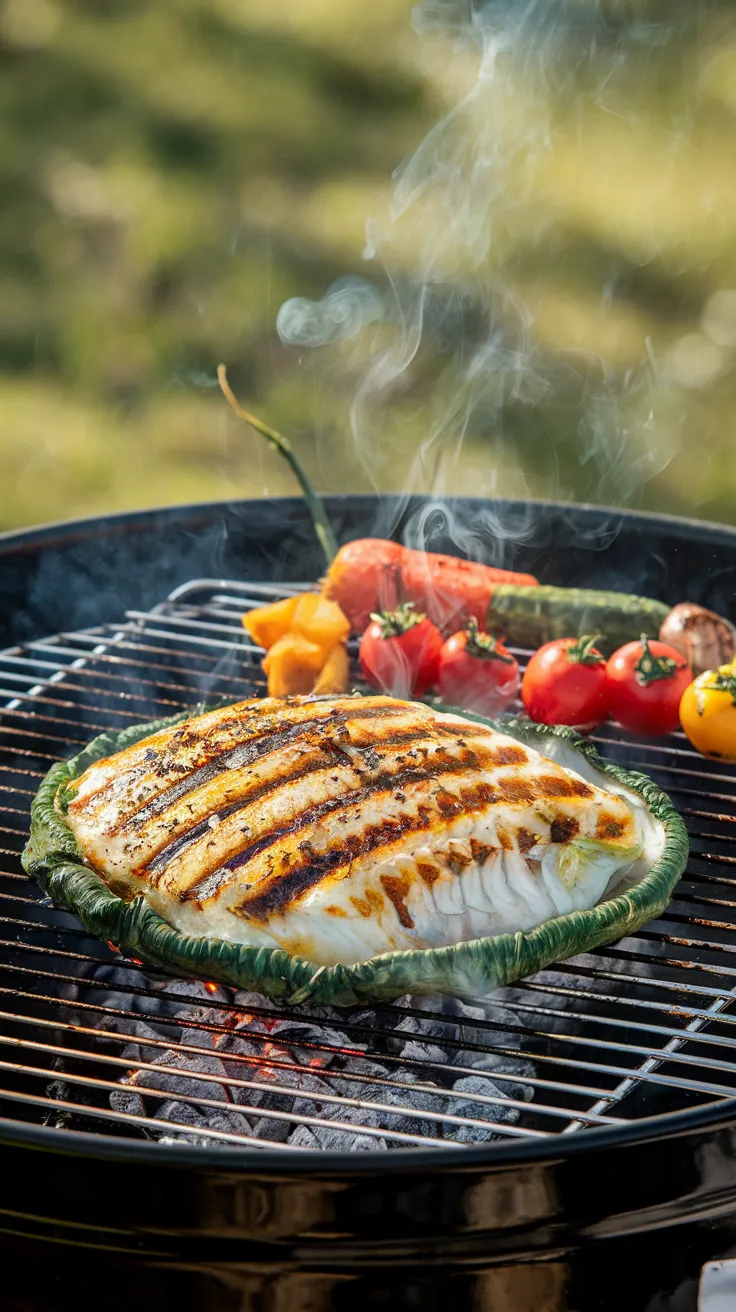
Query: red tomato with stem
x=400, y=652
x=565, y=683
x=646, y=680
x=476, y=672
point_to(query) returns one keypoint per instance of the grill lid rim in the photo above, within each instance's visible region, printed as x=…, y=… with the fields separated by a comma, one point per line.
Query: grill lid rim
x=663, y=1128
x=124, y=520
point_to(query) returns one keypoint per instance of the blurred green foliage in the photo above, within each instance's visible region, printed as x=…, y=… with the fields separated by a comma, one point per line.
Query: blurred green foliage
x=171, y=173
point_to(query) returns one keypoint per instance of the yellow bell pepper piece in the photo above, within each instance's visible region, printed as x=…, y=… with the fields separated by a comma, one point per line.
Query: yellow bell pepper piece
x=292, y=665
x=267, y=624
x=320, y=621
x=304, y=637
x=708, y=712
x=335, y=673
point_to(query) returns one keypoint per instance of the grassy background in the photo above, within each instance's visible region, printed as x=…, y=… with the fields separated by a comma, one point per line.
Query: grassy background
x=171, y=173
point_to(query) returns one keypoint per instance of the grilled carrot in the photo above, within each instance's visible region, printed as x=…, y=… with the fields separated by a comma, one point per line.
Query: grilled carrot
x=372, y=574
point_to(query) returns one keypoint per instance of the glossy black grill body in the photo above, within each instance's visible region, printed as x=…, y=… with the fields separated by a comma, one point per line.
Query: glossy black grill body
x=616, y=1179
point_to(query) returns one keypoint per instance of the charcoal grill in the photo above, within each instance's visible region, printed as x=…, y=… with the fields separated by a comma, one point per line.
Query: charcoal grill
x=522, y=1153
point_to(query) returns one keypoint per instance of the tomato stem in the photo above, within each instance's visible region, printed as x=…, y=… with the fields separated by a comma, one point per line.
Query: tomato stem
x=651, y=669
x=483, y=646
x=582, y=652
x=395, y=622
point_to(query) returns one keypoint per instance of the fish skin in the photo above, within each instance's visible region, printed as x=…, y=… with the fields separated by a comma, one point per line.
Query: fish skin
x=342, y=828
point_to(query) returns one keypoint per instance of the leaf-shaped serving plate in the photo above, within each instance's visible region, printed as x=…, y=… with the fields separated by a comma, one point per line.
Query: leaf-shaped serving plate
x=469, y=969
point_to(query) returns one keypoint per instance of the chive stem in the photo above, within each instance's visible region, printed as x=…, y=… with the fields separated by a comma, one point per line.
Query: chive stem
x=282, y=444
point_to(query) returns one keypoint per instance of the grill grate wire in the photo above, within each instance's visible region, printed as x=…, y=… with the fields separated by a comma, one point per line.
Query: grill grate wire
x=633, y=1030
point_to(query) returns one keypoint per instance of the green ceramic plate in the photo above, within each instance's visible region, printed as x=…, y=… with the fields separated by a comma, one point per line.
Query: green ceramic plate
x=470, y=969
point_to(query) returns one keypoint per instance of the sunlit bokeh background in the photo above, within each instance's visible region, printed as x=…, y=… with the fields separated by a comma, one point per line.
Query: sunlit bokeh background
x=173, y=173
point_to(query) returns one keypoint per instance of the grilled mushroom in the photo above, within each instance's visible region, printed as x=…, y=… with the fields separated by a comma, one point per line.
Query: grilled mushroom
x=705, y=639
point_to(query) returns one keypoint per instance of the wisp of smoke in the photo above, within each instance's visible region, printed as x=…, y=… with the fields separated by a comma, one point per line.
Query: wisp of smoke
x=347, y=307
x=453, y=309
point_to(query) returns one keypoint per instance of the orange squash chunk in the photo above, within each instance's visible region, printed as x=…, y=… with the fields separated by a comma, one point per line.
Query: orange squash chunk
x=335, y=673
x=320, y=621
x=292, y=665
x=267, y=624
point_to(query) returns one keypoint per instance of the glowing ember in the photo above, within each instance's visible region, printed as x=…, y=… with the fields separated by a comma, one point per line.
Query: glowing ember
x=136, y=960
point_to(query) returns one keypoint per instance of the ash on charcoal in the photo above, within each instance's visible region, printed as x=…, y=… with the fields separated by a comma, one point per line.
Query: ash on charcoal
x=466, y=1105
x=272, y=1130
x=440, y=1040
x=269, y=1061
x=421, y=1040
x=498, y=1067
x=400, y=1120
x=284, y=1097
x=118, y=982
x=183, y=1079
x=184, y=1114
x=297, y=1033
x=195, y=1037
x=126, y=1101
x=112, y=985
x=325, y=1138
x=390, y=1057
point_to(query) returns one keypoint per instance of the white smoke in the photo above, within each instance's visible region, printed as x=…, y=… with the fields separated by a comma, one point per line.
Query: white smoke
x=520, y=74
x=348, y=306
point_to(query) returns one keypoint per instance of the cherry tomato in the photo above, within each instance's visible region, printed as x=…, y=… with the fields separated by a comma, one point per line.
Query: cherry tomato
x=565, y=683
x=400, y=652
x=708, y=712
x=645, y=681
x=476, y=672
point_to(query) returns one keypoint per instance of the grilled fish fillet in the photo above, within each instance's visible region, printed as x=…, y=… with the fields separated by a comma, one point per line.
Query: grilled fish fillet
x=342, y=828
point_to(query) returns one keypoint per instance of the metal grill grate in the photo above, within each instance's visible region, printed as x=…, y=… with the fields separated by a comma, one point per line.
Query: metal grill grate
x=89, y=1041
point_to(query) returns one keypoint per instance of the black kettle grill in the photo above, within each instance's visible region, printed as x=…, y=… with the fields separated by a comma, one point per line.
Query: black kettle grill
x=591, y=1165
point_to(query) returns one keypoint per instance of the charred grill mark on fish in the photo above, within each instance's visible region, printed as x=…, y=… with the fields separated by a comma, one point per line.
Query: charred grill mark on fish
x=279, y=894
x=245, y=753
x=216, y=741
x=396, y=888
x=564, y=829
x=457, y=858
x=276, y=895
x=552, y=785
x=526, y=840
x=428, y=872
x=609, y=827
x=383, y=784
x=481, y=852
x=257, y=792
